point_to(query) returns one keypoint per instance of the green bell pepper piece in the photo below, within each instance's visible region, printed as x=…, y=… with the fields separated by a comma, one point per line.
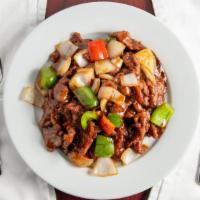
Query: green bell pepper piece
x=115, y=119
x=47, y=77
x=109, y=38
x=86, y=97
x=104, y=146
x=88, y=115
x=162, y=114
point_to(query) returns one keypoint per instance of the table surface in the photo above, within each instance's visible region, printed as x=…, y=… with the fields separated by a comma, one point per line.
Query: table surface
x=54, y=6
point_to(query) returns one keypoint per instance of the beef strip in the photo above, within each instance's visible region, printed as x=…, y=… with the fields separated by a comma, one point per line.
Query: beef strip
x=140, y=148
x=131, y=62
x=126, y=91
x=130, y=113
x=68, y=136
x=48, y=109
x=155, y=131
x=51, y=137
x=119, y=141
x=138, y=108
x=76, y=38
x=76, y=111
x=141, y=124
x=55, y=56
x=60, y=92
x=138, y=94
x=124, y=37
x=157, y=93
x=78, y=41
x=87, y=138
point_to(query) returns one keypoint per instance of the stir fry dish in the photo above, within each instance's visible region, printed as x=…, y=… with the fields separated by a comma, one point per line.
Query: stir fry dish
x=100, y=98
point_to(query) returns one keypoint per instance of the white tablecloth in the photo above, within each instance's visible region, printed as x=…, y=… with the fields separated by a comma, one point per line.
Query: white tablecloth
x=18, y=182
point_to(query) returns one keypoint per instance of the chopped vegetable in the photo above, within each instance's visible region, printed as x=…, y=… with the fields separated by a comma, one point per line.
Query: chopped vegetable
x=111, y=94
x=128, y=156
x=90, y=68
x=115, y=48
x=97, y=50
x=66, y=48
x=109, y=38
x=80, y=60
x=104, y=66
x=147, y=61
x=103, y=103
x=82, y=78
x=86, y=97
x=106, y=76
x=107, y=126
x=96, y=85
x=80, y=161
x=47, y=77
x=104, y=167
x=129, y=80
x=115, y=119
x=30, y=95
x=88, y=115
x=104, y=146
x=162, y=114
x=117, y=62
x=62, y=66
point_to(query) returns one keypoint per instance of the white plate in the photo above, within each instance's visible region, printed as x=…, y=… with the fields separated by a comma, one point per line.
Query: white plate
x=183, y=84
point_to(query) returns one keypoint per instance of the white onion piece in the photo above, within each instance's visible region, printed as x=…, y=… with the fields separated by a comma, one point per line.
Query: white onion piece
x=103, y=103
x=30, y=95
x=82, y=78
x=118, y=98
x=79, y=59
x=129, y=80
x=117, y=61
x=115, y=48
x=85, y=69
x=111, y=94
x=62, y=66
x=106, y=76
x=104, y=167
x=104, y=66
x=80, y=161
x=129, y=156
x=106, y=92
x=66, y=48
x=96, y=85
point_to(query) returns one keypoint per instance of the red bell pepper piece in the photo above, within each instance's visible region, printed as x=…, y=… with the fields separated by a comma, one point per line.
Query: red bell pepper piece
x=106, y=125
x=97, y=50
